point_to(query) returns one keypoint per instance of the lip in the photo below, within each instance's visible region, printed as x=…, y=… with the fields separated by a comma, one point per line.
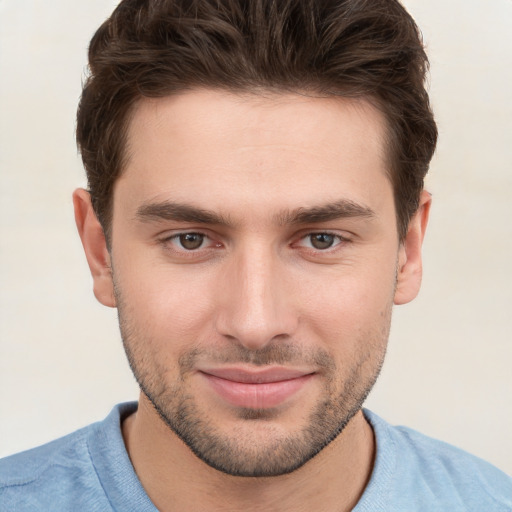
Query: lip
x=256, y=389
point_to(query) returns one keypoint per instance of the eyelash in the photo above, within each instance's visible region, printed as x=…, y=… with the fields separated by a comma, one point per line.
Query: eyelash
x=339, y=241
x=169, y=240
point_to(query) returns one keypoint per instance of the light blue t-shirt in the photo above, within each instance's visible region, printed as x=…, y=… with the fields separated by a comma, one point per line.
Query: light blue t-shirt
x=90, y=471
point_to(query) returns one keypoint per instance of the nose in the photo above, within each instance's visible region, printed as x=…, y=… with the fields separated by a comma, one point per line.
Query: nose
x=257, y=304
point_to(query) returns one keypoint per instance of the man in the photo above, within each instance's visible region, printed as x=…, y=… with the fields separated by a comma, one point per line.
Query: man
x=255, y=208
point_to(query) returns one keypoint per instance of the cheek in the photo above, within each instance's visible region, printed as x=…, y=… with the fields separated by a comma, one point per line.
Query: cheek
x=165, y=304
x=177, y=304
x=350, y=306
x=352, y=292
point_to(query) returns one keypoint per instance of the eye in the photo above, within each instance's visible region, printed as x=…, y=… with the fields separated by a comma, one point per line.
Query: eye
x=321, y=241
x=190, y=246
x=189, y=241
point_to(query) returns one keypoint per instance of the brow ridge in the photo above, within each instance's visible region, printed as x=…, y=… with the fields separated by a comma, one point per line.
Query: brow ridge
x=180, y=212
x=344, y=208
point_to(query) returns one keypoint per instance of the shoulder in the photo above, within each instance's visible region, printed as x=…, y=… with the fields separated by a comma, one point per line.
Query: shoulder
x=423, y=470
x=26, y=466
x=60, y=475
x=30, y=479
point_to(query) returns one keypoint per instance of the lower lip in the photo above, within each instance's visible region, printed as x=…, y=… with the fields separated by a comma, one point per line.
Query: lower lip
x=256, y=396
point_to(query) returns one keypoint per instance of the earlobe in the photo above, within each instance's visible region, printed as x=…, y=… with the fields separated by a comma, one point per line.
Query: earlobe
x=95, y=247
x=409, y=272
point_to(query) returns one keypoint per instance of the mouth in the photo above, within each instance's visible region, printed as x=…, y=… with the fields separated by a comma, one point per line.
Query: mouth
x=256, y=388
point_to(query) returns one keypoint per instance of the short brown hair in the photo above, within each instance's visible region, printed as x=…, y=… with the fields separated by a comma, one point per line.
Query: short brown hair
x=352, y=48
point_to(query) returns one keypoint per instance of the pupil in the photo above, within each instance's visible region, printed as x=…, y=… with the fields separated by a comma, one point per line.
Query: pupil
x=322, y=241
x=191, y=240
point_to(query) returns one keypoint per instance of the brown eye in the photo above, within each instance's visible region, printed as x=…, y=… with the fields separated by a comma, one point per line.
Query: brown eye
x=322, y=240
x=191, y=241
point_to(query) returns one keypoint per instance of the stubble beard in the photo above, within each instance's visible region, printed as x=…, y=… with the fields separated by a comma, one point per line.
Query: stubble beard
x=264, y=451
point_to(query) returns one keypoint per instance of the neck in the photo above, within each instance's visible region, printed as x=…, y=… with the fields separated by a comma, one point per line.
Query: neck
x=176, y=480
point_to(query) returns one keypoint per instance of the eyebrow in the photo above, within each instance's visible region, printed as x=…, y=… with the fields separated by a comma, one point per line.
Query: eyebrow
x=180, y=212
x=167, y=210
x=343, y=208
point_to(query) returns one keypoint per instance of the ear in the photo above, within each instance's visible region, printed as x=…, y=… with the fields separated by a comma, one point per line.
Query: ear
x=410, y=267
x=95, y=247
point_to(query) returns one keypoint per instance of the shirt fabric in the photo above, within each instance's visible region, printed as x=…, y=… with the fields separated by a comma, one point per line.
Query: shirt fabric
x=90, y=470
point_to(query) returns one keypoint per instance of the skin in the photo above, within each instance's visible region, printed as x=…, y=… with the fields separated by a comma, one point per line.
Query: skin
x=263, y=289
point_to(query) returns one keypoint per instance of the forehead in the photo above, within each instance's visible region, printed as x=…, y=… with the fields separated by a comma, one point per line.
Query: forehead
x=217, y=148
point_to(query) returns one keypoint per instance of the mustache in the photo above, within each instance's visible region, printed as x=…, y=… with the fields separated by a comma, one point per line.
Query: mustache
x=275, y=353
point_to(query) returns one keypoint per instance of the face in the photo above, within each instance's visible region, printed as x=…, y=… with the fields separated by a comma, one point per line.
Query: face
x=255, y=260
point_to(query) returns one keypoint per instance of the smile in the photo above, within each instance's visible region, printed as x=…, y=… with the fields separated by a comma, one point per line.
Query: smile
x=262, y=389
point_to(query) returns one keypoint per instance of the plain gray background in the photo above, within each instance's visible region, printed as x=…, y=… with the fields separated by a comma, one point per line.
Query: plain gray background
x=448, y=371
